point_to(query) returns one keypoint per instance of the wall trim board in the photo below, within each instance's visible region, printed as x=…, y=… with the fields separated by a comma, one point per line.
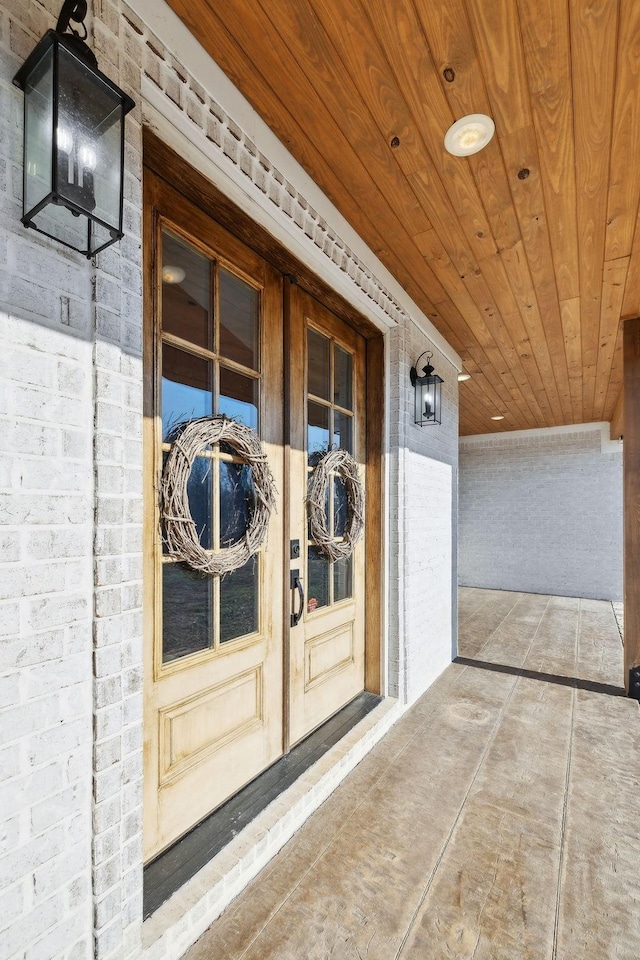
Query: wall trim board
x=608, y=445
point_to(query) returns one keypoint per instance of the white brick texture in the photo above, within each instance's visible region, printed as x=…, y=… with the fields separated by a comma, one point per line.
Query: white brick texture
x=541, y=511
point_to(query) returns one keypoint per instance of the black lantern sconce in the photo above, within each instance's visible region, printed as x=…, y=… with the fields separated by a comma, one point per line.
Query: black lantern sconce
x=427, y=389
x=73, y=139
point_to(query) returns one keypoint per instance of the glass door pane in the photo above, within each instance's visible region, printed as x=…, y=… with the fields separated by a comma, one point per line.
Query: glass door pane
x=202, y=612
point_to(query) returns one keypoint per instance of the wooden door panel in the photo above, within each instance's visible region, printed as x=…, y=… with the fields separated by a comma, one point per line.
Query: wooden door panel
x=327, y=647
x=213, y=708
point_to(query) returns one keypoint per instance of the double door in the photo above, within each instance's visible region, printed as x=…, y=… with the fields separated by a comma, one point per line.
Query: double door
x=240, y=668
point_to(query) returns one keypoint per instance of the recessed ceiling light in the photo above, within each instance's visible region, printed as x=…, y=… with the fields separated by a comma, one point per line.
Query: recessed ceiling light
x=469, y=134
x=498, y=418
x=172, y=274
x=464, y=376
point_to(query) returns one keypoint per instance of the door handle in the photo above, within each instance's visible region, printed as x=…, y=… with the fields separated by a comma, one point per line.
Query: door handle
x=296, y=584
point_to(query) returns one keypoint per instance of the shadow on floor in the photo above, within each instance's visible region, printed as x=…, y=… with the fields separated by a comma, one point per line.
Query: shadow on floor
x=592, y=685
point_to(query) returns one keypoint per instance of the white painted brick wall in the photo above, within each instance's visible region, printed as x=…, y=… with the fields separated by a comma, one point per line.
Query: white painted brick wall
x=541, y=511
x=70, y=655
x=46, y=519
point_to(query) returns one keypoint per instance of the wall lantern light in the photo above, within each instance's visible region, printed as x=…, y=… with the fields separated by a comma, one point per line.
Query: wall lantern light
x=427, y=389
x=73, y=139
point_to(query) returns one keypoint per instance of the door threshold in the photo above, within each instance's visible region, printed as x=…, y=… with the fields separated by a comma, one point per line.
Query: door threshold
x=216, y=868
x=175, y=866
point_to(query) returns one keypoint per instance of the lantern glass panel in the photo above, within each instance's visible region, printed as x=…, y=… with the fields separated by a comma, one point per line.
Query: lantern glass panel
x=428, y=401
x=89, y=132
x=38, y=114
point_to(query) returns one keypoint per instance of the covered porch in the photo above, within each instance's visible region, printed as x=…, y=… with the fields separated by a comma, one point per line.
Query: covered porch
x=495, y=820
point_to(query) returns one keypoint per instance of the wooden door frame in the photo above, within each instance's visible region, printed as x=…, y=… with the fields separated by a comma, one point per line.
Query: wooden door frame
x=166, y=164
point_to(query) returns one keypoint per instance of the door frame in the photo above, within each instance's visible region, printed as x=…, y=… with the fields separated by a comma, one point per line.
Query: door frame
x=167, y=165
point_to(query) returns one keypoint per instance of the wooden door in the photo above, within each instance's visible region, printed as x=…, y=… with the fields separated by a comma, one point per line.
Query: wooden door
x=214, y=647
x=327, y=411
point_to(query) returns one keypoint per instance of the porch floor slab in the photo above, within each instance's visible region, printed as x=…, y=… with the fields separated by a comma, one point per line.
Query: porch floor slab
x=497, y=820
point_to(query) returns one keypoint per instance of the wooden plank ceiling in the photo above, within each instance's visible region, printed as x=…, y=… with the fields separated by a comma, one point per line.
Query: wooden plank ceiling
x=526, y=255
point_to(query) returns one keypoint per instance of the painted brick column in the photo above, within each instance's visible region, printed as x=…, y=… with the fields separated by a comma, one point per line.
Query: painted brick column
x=423, y=527
x=117, y=371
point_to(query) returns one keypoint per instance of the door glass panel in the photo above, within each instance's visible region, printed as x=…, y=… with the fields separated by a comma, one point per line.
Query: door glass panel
x=318, y=365
x=340, y=507
x=187, y=623
x=239, y=312
x=342, y=387
x=317, y=431
x=237, y=501
x=186, y=388
x=199, y=493
x=342, y=431
x=342, y=579
x=239, y=601
x=186, y=292
x=239, y=397
x=318, y=580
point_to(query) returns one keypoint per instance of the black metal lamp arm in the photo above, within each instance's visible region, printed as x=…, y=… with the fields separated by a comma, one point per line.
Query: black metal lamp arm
x=427, y=371
x=75, y=10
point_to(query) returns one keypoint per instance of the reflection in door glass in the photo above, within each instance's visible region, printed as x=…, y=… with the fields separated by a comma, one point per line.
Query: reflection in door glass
x=239, y=397
x=237, y=501
x=186, y=612
x=317, y=431
x=342, y=391
x=342, y=579
x=199, y=493
x=186, y=292
x=340, y=507
x=239, y=311
x=342, y=431
x=317, y=580
x=318, y=365
x=239, y=601
x=186, y=388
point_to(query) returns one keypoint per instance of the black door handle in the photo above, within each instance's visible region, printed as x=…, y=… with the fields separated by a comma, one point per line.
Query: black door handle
x=296, y=584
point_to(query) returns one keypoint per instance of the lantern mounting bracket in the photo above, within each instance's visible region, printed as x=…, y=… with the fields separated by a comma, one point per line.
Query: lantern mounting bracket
x=426, y=371
x=75, y=10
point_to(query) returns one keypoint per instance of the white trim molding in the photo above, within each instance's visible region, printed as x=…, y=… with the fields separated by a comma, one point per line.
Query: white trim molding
x=607, y=445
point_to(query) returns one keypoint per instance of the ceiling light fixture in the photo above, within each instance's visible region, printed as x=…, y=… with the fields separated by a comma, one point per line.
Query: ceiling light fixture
x=172, y=274
x=500, y=417
x=469, y=134
x=464, y=376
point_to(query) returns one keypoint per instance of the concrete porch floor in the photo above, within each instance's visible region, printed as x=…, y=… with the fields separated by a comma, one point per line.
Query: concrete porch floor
x=497, y=820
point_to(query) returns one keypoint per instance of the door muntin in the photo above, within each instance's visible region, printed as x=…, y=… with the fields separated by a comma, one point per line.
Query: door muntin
x=209, y=326
x=330, y=425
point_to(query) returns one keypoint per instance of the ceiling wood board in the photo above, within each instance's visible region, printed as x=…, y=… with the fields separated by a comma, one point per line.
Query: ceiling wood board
x=525, y=255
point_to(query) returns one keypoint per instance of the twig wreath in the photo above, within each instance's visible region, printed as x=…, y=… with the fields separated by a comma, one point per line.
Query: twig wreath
x=180, y=533
x=342, y=463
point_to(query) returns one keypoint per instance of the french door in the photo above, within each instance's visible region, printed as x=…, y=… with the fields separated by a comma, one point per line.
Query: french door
x=230, y=681
x=327, y=380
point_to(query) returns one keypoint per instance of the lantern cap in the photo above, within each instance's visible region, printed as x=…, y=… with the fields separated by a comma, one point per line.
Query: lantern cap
x=78, y=48
x=427, y=371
